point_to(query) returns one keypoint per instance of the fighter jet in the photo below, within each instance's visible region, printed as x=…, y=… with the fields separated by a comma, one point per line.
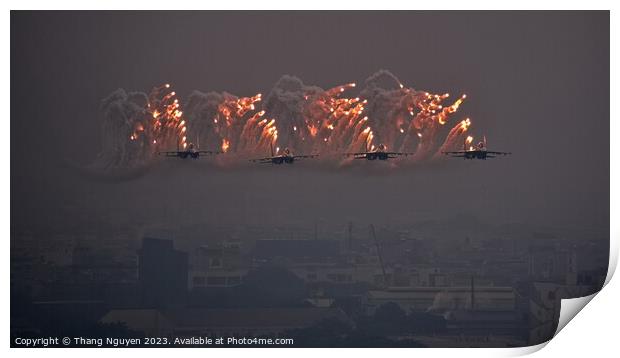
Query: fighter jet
x=286, y=157
x=189, y=152
x=380, y=153
x=475, y=152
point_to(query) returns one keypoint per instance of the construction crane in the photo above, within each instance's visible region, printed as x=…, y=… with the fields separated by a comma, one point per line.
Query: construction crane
x=379, y=253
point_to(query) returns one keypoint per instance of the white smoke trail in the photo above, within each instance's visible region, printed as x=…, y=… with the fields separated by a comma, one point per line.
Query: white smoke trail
x=306, y=119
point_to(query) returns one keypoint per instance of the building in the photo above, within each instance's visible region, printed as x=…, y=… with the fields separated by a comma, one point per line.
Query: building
x=441, y=299
x=244, y=322
x=217, y=266
x=297, y=250
x=162, y=274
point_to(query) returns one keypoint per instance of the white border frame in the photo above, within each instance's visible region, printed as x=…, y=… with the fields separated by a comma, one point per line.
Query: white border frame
x=594, y=332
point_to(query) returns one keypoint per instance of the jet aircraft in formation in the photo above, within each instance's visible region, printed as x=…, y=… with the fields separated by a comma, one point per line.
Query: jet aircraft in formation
x=286, y=157
x=475, y=152
x=189, y=152
x=380, y=153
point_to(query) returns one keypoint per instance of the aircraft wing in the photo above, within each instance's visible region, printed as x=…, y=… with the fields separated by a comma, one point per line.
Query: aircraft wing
x=262, y=160
x=306, y=156
x=459, y=154
x=357, y=155
x=209, y=152
x=394, y=154
x=169, y=154
x=498, y=153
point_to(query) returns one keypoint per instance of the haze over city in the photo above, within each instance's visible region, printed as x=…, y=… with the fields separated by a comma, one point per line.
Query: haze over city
x=537, y=85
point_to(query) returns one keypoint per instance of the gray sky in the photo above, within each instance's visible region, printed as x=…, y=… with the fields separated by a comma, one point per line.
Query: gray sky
x=537, y=85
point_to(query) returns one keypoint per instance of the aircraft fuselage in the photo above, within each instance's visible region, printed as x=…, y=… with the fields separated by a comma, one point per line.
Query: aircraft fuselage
x=475, y=154
x=188, y=154
x=282, y=159
x=377, y=156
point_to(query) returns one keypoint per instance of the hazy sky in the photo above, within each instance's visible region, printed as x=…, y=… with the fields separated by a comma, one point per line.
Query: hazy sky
x=537, y=85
